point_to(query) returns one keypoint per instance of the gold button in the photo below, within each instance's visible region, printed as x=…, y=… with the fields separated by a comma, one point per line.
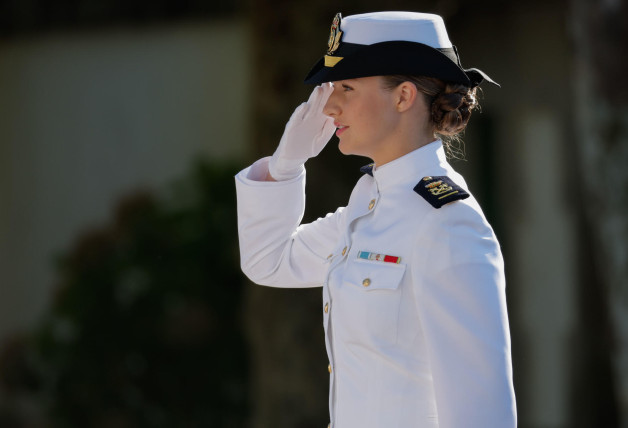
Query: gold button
x=329, y=368
x=344, y=251
x=330, y=256
x=326, y=307
x=371, y=204
x=366, y=282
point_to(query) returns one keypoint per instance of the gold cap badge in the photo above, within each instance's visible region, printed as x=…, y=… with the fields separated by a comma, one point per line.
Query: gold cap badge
x=334, y=36
x=334, y=42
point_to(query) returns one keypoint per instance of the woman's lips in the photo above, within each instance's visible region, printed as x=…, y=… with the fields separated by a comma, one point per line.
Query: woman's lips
x=340, y=130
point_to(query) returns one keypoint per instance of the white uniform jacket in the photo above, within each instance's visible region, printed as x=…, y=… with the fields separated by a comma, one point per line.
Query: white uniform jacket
x=421, y=341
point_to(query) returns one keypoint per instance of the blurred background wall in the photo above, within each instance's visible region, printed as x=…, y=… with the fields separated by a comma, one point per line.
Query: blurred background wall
x=101, y=101
x=85, y=117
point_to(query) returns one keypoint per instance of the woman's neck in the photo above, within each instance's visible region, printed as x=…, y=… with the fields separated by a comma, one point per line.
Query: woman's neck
x=400, y=145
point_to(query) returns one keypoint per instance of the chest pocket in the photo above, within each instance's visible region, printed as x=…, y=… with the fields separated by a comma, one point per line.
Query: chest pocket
x=375, y=294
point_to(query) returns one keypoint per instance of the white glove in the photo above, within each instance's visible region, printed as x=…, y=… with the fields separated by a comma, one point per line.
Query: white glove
x=306, y=133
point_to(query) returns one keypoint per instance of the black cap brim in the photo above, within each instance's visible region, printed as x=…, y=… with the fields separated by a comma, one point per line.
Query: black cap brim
x=395, y=57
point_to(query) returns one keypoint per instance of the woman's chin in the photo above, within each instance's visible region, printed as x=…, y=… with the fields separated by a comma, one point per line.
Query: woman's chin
x=345, y=148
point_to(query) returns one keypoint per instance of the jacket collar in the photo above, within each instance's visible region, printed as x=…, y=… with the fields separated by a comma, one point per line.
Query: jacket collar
x=367, y=169
x=410, y=167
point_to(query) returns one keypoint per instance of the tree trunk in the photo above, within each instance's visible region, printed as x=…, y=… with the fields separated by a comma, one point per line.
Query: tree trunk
x=601, y=43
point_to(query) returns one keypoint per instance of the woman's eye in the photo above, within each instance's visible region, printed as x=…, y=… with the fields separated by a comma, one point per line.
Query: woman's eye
x=347, y=88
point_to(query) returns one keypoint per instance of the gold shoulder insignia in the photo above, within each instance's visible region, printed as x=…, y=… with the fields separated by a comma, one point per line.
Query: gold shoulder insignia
x=440, y=190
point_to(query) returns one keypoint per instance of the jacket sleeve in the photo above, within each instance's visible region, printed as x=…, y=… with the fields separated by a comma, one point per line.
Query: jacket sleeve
x=274, y=249
x=462, y=305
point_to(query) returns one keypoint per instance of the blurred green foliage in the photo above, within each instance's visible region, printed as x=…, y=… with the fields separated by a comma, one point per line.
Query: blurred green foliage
x=145, y=329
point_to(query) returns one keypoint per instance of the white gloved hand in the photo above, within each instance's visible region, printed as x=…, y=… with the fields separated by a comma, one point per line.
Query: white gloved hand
x=306, y=133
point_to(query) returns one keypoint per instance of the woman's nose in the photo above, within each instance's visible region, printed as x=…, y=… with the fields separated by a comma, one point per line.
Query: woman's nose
x=331, y=107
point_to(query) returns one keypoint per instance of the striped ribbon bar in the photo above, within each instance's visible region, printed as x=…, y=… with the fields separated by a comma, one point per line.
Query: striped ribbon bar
x=378, y=257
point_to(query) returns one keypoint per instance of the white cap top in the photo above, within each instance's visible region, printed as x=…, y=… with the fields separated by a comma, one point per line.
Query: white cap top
x=370, y=28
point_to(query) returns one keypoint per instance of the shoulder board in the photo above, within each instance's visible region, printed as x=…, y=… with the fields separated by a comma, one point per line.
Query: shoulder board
x=440, y=190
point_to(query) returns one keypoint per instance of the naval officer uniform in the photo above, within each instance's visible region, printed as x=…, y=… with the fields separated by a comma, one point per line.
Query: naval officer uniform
x=413, y=291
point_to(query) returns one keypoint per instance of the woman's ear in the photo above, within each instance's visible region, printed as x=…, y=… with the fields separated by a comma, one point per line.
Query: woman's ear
x=406, y=96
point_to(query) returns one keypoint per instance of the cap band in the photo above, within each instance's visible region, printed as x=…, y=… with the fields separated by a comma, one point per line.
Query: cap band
x=348, y=49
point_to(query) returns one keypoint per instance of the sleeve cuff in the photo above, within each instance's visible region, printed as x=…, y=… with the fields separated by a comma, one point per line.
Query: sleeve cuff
x=255, y=175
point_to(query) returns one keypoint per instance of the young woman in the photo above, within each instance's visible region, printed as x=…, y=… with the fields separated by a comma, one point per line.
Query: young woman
x=412, y=275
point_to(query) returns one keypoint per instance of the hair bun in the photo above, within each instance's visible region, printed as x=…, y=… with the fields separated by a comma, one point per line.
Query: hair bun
x=449, y=101
x=451, y=109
